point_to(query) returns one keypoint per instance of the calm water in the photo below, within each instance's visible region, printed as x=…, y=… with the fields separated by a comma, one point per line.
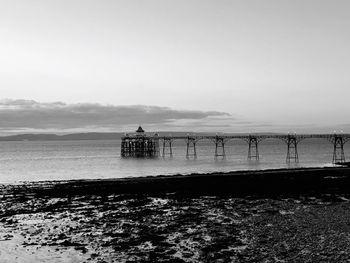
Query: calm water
x=61, y=160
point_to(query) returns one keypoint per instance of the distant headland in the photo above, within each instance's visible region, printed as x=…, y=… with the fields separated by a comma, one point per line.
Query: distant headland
x=85, y=136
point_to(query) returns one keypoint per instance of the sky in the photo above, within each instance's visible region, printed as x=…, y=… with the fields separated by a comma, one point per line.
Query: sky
x=194, y=65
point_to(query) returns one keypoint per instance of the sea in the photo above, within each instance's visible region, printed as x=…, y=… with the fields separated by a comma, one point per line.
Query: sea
x=100, y=159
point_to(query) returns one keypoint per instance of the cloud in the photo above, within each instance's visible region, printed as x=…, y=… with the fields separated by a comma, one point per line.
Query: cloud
x=33, y=115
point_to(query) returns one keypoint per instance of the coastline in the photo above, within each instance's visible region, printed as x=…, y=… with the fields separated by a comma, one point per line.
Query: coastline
x=218, y=217
x=236, y=183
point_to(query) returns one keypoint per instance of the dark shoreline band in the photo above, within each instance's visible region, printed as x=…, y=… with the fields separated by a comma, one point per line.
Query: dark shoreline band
x=330, y=180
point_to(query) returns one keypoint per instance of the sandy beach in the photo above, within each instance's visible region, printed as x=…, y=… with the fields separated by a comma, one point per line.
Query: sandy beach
x=193, y=218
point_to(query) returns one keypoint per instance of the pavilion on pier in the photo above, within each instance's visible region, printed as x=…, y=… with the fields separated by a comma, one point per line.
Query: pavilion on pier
x=139, y=145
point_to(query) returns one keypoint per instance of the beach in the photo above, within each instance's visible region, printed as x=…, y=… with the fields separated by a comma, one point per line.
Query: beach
x=298, y=215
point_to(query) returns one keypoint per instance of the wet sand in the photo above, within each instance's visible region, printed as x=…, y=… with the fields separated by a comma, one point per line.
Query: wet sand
x=195, y=218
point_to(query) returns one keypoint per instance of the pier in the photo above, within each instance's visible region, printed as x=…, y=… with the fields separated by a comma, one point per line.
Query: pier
x=142, y=145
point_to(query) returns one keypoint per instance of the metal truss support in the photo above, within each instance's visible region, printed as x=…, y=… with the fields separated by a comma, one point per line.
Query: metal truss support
x=123, y=148
x=219, y=147
x=338, y=151
x=156, y=149
x=167, y=143
x=292, y=150
x=253, y=151
x=191, y=143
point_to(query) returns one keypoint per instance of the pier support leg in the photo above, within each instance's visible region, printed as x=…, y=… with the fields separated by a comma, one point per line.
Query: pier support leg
x=292, y=150
x=123, y=148
x=338, y=150
x=191, y=143
x=167, y=143
x=219, y=144
x=253, y=151
x=155, y=149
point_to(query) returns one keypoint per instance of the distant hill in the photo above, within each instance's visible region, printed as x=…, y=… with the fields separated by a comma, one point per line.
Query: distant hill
x=79, y=136
x=93, y=136
x=66, y=137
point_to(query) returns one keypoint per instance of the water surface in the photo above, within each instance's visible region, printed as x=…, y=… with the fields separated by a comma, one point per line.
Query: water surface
x=63, y=160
